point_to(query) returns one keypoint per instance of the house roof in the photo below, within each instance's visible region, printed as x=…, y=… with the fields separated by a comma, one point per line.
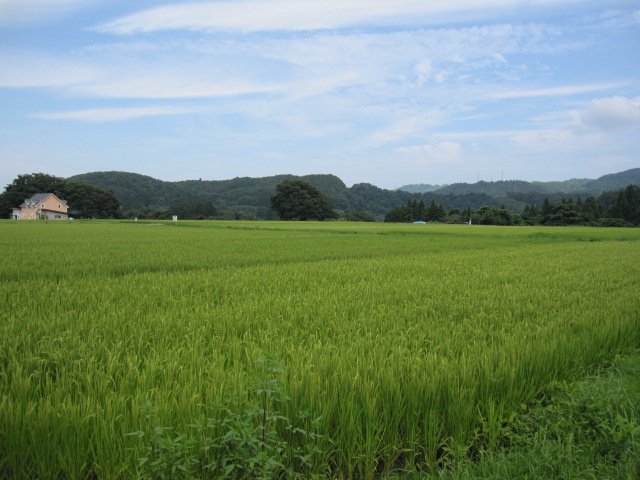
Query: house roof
x=39, y=197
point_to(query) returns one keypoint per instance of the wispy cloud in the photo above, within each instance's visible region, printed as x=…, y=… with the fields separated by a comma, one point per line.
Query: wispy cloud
x=406, y=124
x=376, y=65
x=118, y=114
x=168, y=85
x=138, y=73
x=558, y=91
x=295, y=15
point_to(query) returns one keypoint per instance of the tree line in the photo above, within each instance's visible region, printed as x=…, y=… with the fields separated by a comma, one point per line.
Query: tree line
x=615, y=209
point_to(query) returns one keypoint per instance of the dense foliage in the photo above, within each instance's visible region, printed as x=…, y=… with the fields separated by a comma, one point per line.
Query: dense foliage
x=612, y=209
x=299, y=200
x=236, y=199
x=416, y=211
x=83, y=200
x=620, y=208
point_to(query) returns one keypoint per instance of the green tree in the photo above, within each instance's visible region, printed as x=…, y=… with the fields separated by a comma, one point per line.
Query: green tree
x=435, y=212
x=397, y=215
x=87, y=201
x=627, y=205
x=299, y=200
x=415, y=211
x=532, y=215
x=590, y=210
x=564, y=212
x=493, y=216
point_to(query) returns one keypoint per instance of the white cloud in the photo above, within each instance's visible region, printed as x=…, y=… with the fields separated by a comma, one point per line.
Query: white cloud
x=117, y=114
x=613, y=113
x=296, y=15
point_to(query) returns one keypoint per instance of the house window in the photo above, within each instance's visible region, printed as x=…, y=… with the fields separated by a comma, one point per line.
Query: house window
x=58, y=216
x=43, y=205
x=59, y=206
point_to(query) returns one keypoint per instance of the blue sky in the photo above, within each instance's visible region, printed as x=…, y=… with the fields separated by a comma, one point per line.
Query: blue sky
x=378, y=91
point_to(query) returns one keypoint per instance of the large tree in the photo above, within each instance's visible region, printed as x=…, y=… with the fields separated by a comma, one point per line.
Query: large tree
x=299, y=200
x=84, y=200
x=627, y=205
x=87, y=201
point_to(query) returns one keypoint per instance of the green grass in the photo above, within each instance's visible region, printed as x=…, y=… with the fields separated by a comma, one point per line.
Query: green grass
x=408, y=341
x=580, y=430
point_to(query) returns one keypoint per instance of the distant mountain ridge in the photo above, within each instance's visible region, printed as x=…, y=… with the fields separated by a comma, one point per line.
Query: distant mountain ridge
x=420, y=188
x=249, y=197
x=503, y=188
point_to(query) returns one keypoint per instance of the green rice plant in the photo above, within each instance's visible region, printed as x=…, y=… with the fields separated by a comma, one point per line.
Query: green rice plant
x=242, y=439
x=413, y=344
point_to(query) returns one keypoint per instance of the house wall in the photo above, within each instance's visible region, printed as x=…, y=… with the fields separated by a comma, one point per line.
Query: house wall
x=53, y=203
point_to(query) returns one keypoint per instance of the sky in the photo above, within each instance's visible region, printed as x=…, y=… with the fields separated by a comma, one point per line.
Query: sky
x=377, y=91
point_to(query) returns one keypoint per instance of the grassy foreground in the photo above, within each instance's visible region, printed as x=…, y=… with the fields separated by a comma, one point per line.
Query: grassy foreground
x=579, y=430
x=400, y=346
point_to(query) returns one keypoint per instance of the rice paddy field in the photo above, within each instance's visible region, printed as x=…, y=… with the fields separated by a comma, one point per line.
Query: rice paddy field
x=397, y=345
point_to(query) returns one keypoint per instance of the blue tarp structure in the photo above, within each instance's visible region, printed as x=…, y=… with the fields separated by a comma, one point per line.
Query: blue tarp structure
x=419, y=221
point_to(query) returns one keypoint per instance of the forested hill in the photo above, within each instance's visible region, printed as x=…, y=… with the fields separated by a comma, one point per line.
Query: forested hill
x=137, y=191
x=247, y=198
x=614, y=181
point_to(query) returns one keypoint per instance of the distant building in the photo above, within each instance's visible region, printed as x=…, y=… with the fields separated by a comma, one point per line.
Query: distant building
x=41, y=206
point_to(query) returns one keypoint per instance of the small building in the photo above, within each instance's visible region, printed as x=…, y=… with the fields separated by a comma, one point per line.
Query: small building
x=41, y=206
